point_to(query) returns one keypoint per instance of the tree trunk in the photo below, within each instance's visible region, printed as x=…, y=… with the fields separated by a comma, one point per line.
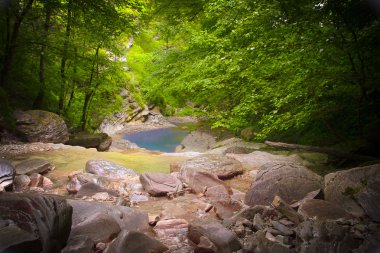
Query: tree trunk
x=11, y=43
x=328, y=151
x=73, y=84
x=90, y=91
x=38, y=102
x=64, y=59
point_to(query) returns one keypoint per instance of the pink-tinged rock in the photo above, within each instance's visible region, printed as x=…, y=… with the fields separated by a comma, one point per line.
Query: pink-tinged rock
x=159, y=184
x=46, y=182
x=73, y=186
x=36, y=180
x=199, y=181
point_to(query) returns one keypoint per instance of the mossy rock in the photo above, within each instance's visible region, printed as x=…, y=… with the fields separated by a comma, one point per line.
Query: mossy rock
x=41, y=126
x=100, y=141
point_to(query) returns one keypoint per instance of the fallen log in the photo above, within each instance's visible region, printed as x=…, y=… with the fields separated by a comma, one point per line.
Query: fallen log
x=328, y=151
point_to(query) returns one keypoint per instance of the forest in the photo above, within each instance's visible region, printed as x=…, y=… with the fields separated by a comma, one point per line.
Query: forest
x=304, y=71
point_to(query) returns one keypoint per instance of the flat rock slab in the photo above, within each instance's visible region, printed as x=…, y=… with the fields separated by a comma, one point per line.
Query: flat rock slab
x=221, y=166
x=362, y=183
x=90, y=189
x=46, y=217
x=291, y=182
x=133, y=242
x=159, y=184
x=109, y=169
x=257, y=159
x=322, y=210
x=223, y=239
x=100, y=141
x=34, y=166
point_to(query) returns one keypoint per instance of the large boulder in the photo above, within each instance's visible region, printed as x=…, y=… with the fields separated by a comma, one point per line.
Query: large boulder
x=45, y=222
x=29, y=167
x=133, y=242
x=99, y=227
x=109, y=169
x=128, y=218
x=221, y=166
x=41, y=126
x=7, y=174
x=355, y=190
x=289, y=181
x=100, y=141
x=223, y=239
x=158, y=184
x=90, y=189
x=197, y=141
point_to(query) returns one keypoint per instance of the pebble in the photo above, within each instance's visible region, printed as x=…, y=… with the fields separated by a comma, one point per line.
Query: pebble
x=258, y=222
x=282, y=228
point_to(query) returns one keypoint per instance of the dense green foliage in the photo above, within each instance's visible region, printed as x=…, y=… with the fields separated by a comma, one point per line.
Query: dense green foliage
x=66, y=56
x=302, y=71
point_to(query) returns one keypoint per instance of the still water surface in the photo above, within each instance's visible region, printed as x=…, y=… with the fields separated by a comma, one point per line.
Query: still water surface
x=164, y=139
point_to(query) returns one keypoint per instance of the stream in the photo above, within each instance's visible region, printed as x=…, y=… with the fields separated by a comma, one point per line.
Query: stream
x=162, y=140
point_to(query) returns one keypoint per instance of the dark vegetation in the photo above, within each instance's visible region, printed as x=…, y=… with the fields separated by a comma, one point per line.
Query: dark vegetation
x=305, y=72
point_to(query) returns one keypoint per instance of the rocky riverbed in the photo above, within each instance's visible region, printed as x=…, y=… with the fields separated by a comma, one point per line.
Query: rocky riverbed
x=233, y=197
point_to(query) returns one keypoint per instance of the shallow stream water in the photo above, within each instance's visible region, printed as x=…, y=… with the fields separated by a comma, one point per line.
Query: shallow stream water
x=163, y=139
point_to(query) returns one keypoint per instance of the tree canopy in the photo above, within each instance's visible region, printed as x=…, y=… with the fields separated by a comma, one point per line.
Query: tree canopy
x=302, y=71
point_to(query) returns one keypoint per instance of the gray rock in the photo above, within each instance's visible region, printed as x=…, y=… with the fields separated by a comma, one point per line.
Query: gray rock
x=46, y=217
x=7, y=174
x=133, y=242
x=282, y=228
x=159, y=184
x=369, y=199
x=109, y=169
x=289, y=181
x=21, y=182
x=223, y=239
x=260, y=243
x=100, y=227
x=221, y=166
x=344, y=187
x=41, y=126
x=128, y=218
x=34, y=166
x=79, y=244
x=14, y=239
x=322, y=210
x=90, y=189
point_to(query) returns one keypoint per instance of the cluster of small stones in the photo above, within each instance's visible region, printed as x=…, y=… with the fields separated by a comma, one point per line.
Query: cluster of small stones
x=270, y=229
